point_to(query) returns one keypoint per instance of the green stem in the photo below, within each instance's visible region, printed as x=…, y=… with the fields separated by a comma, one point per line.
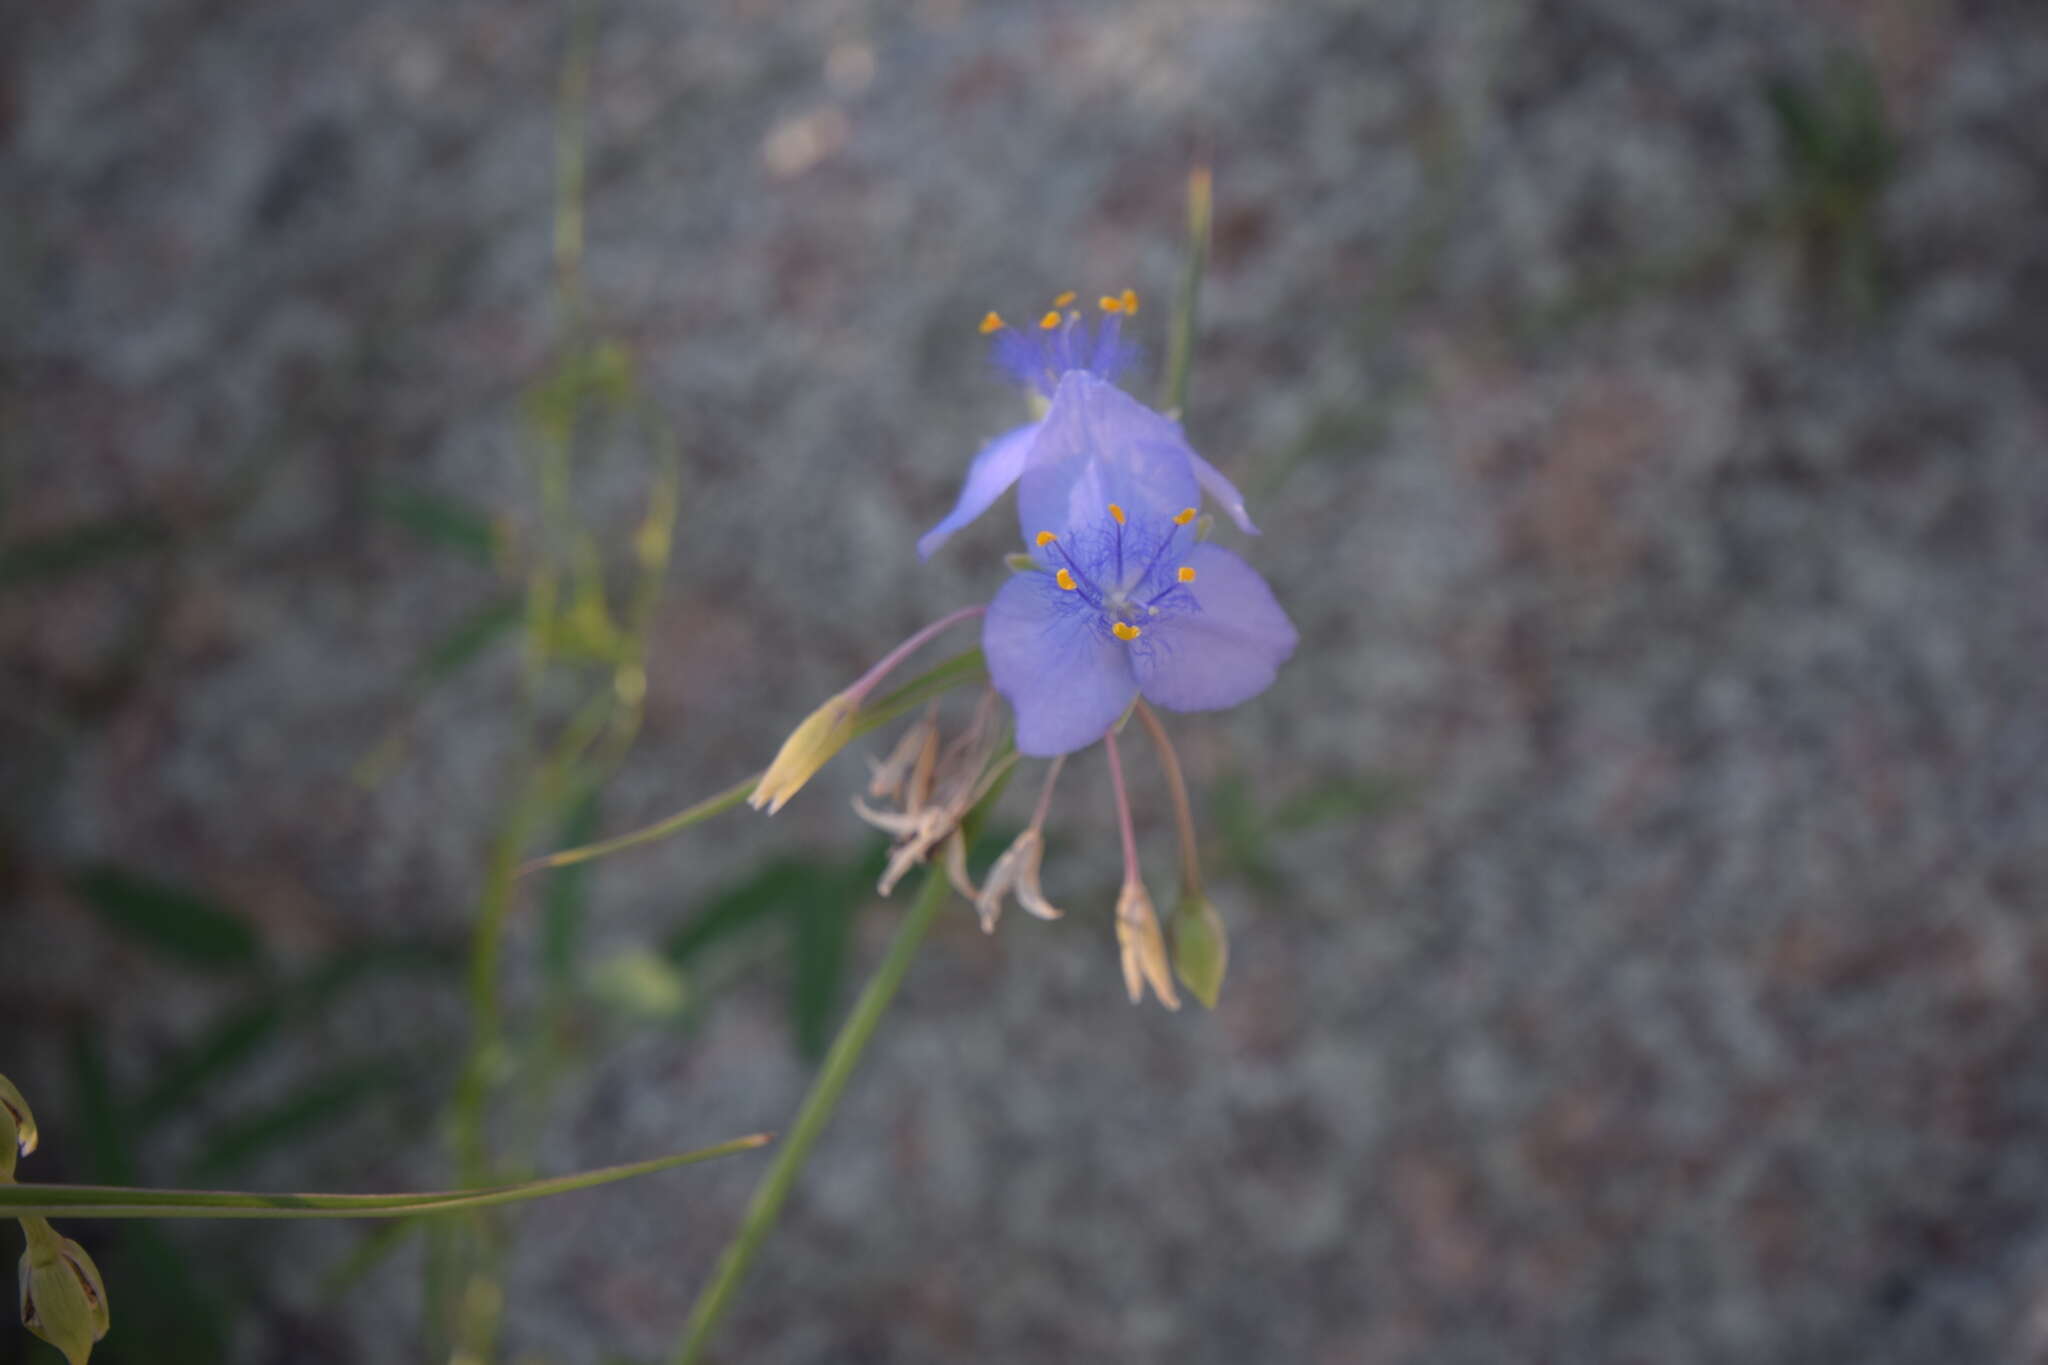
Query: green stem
x=37, y=1202
x=811, y=1120
x=1180, y=341
x=961, y=668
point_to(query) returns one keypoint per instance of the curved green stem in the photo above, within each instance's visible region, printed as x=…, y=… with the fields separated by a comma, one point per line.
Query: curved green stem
x=811, y=1119
x=35, y=1202
x=964, y=667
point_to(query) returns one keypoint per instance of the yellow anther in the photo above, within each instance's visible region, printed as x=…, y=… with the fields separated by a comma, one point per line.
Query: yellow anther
x=1064, y=579
x=1117, y=512
x=1062, y=300
x=1046, y=538
x=991, y=322
x=1184, y=516
x=1110, y=303
x=1185, y=573
x=1130, y=301
x=1123, y=631
x=1050, y=320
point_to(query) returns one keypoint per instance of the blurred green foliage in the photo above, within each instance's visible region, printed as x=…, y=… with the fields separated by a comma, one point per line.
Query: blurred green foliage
x=1840, y=156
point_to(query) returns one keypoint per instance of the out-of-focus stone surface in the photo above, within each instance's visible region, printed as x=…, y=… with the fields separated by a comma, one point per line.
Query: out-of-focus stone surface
x=1685, y=1001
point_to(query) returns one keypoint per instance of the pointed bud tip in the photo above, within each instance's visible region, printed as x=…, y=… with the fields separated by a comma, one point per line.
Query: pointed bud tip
x=17, y=1127
x=809, y=747
x=1201, y=947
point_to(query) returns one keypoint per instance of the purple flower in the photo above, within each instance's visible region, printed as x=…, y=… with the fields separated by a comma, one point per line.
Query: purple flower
x=1042, y=359
x=1124, y=599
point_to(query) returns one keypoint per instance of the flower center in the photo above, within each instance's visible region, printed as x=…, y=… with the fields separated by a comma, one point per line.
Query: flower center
x=1124, y=574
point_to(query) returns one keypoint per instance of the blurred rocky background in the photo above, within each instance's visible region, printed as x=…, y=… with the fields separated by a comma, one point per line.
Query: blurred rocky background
x=1636, y=881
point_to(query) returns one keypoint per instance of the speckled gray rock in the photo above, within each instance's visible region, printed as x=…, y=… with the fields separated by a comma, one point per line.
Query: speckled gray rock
x=1685, y=1002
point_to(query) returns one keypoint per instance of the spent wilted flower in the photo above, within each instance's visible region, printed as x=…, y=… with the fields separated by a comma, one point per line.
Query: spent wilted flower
x=1016, y=871
x=1142, y=946
x=935, y=788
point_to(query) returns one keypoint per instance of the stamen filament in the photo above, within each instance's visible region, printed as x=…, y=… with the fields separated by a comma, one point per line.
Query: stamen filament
x=1073, y=571
x=1159, y=550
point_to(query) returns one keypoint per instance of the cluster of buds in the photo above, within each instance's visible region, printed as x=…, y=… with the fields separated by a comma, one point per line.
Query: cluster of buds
x=63, y=1299
x=933, y=788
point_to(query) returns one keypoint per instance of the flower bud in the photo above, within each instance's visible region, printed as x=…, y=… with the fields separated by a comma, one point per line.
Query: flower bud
x=809, y=747
x=17, y=1128
x=63, y=1300
x=1143, y=947
x=1201, y=947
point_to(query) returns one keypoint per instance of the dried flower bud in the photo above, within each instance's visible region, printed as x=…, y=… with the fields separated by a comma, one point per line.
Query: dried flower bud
x=809, y=747
x=63, y=1300
x=1016, y=871
x=17, y=1128
x=1201, y=947
x=1143, y=947
x=936, y=788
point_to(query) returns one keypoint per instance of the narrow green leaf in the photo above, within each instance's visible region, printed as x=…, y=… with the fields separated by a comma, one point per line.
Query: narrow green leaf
x=100, y=1118
x=753, y=900
x=1336, y=801
x=562, y=908
x=1180, y=344
x=446, y=521
x=309, y=1108
x=232, y=1039
x=819, y=926
x=245, y=1030
x=471, y=636
x=179, y=923
x=79, y=549
x=376, y=1247
x=110, y=1201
